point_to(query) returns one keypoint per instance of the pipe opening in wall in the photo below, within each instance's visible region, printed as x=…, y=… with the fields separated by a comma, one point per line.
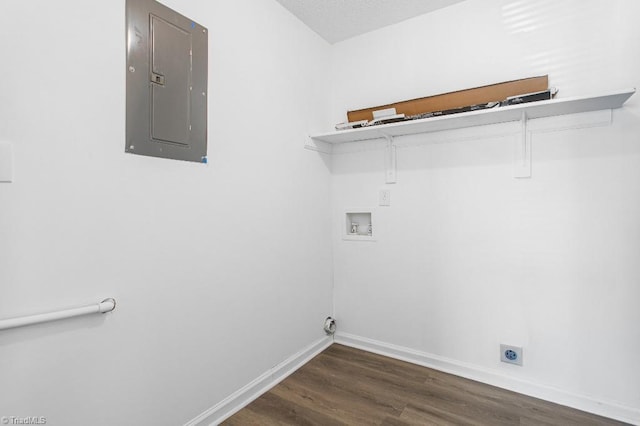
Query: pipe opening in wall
x=329, y=326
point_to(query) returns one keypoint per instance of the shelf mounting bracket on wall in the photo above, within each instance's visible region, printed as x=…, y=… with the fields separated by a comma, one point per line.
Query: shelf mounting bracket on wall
x=522, y=152
x=390, y=161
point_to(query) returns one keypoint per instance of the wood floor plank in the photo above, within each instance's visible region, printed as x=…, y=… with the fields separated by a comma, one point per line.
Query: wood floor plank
x=329, y=388
x=348, y=412
x=347, y=386
x=248, y=417
x=392, y=421
x=408, y=371
x=355, y=378
x=272, y=409
x=512, y=404
x=422, y=393
x=431, y=415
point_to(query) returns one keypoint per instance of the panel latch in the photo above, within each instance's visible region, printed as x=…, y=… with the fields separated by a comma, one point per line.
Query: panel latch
x=157, y=78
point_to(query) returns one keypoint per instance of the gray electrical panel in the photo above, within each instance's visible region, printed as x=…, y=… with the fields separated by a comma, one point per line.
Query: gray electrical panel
x=167, y=59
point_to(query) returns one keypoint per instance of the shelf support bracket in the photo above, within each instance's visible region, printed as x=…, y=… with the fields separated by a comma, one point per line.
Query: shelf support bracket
x=522, y=159
x=390, y=161
x=318, y=146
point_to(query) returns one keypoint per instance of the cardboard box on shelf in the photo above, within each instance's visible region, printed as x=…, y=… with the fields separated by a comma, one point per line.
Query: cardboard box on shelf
x=479, y=95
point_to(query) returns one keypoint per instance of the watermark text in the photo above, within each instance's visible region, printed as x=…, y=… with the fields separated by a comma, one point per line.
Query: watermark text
x=19, y=420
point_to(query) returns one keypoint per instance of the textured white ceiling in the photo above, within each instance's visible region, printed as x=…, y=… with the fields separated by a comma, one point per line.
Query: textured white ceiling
x=337, y=20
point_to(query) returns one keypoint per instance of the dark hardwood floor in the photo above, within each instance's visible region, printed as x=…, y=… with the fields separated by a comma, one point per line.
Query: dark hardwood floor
x=346, y=386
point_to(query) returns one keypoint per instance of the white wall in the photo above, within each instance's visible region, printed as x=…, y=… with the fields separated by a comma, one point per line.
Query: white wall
x=468, y=257
x=220, y=271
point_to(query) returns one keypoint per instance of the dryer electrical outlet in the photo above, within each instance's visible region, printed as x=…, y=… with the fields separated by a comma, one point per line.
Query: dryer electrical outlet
x=167, y=60
x=511, y=354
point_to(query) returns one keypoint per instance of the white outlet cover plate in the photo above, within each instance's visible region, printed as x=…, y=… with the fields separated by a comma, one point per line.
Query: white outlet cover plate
x=517, y=350
x=6, y=162
x=385, y=197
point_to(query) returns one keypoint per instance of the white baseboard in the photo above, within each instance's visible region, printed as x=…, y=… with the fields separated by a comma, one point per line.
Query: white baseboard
x=494, y=378
x=242, y=397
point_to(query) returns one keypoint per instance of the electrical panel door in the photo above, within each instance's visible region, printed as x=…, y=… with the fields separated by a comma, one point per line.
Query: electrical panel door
x=166, y=83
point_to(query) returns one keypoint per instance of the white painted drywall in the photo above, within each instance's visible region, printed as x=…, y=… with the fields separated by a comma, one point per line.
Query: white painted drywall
x=6, y=162
x=220, y=271
x=468, y=257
